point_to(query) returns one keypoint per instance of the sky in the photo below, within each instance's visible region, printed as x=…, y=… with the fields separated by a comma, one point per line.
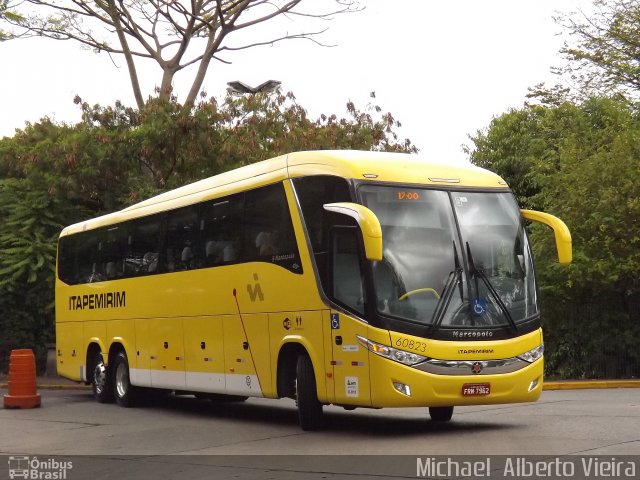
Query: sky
x=444, y=69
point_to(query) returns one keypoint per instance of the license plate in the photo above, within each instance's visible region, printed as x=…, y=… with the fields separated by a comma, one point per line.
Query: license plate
x=475, y=389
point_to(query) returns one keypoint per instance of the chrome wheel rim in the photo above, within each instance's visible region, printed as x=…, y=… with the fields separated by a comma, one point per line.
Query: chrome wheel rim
x=100, y=377
x=122, y=380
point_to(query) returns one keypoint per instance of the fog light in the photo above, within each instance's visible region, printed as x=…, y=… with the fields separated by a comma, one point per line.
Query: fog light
x=533, y=384
x=402, y=388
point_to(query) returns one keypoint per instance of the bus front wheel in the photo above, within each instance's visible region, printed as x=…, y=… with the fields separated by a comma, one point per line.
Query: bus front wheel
x=309, y=407
x=124, y=392
x=441, y=414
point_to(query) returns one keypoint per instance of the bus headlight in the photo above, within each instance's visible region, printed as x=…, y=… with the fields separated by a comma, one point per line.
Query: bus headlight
x=533, y=354
x=402, y=356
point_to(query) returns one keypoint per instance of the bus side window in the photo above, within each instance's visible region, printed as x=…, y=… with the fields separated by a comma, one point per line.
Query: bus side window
x=67, y=271
x=221, y=226
x=112, y=249
x=143, y=246
x=268, y=232
x=88, y=266
x=314, y=192
x=347, y=280
x=181, y=240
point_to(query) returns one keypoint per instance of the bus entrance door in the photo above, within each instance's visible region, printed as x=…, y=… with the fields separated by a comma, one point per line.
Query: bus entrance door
x=350, y=361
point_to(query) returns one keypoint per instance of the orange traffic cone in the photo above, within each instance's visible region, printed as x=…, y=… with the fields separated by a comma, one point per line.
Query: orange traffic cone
x=22, y=381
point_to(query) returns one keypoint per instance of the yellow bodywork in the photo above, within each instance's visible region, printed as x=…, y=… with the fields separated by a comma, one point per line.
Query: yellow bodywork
x=222, y=329
x=560, y=230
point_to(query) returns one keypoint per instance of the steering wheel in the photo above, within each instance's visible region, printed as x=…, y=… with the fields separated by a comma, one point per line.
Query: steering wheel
x=420, y=290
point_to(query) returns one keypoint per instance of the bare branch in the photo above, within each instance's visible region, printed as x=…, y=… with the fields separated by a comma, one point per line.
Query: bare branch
x=305, y=36
x=604, y=54
x=164, y=30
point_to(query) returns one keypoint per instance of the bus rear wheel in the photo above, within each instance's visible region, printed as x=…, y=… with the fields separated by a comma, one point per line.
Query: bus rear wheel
x=441, y=414
x=126, y=395
x=309, y=407
x=101, y=380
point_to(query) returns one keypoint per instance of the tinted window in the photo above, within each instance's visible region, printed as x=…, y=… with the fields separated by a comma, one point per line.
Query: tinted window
x=70, y=253
x=313, y=193
x=79, y=260
x=255, y=226
x=347, y=275
x=221, y=227
x=268, y=232
x=143, y=246
x=181, y=250
x=111, y=253
x=66, y=259
x=88, y=267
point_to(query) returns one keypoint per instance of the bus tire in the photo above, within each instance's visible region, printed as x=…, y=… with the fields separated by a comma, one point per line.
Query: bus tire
x=101, y=380
x=126, y=395
x=309, y=407
x=441, y=414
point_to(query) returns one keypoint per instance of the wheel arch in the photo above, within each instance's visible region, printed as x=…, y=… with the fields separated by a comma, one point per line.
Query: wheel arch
x=94, y=347
x=288, y=355
x=116, y=347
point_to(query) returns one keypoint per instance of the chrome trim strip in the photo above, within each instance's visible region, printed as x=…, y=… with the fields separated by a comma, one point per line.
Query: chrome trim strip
x=465, y=367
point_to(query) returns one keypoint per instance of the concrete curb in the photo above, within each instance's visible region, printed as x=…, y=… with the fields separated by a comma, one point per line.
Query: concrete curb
x=74, y=386
x=590, y=384
x=79, y=386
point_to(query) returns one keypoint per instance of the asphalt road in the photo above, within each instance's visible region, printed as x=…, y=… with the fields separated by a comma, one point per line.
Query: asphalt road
x=261, y=438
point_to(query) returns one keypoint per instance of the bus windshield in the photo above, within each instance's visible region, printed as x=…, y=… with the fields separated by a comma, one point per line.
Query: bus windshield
x=452, y=258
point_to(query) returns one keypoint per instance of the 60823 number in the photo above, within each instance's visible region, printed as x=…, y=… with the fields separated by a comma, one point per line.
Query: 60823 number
x=411, y=344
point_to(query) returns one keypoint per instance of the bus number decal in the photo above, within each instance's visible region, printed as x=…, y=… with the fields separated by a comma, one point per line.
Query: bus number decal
x=411, y=344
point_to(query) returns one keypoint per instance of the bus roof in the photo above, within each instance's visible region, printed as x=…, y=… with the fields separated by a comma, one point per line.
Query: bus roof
x=354, y=164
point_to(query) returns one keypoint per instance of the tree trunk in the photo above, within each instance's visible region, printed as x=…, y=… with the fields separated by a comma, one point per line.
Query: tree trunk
x=167, y=84
x=131, y=66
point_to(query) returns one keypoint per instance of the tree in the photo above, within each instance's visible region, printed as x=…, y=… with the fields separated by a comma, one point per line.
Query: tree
x=31, y=217
x=580, y=162
x=53, y=175
x=7, y=13
x=605, y=48
x=173, y=34
x=513, y=145
x=168, y=145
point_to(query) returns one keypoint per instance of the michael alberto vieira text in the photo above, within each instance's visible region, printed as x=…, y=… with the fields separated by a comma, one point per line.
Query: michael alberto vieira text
x=519, y=467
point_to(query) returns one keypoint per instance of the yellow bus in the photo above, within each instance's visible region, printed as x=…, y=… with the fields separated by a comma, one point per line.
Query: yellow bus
x=359, y=279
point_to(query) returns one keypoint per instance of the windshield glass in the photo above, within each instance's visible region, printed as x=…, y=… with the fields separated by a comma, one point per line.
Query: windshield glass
x=498, y=256
x=432, y=274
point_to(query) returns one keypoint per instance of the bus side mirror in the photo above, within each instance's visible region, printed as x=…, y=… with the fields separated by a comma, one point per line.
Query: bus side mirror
x=560, y=230
x=368, y=223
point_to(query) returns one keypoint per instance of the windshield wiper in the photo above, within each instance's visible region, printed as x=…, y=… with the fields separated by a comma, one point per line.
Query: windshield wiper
x=459, y=270
x=478, y=272
x=449, y=288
